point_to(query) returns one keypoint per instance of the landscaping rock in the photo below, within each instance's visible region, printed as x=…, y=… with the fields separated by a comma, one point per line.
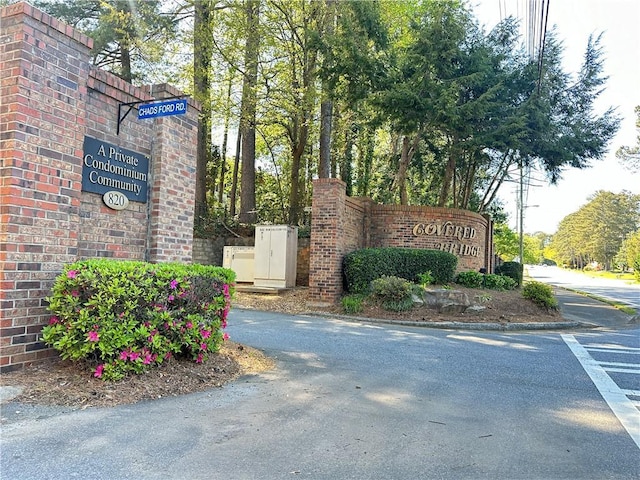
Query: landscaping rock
x=445, y=300
x=475, y=309
x=417, y=301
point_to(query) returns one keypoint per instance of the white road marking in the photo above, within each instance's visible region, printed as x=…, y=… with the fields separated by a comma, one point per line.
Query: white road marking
x=621, y=370
x=619, y=364
x=629, y=350
x=622, y=407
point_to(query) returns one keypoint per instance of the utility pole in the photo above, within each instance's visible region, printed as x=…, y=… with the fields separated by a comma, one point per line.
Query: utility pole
x=521, y=205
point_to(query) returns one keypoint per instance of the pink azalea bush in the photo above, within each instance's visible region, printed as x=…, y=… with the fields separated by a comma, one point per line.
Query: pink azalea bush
x=124, y=317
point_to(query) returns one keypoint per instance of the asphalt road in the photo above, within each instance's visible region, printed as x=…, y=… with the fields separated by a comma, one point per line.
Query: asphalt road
x=619, y=290
x=361, y=401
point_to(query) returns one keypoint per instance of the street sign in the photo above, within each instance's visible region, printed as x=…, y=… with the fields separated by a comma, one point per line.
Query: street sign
x=162, y=109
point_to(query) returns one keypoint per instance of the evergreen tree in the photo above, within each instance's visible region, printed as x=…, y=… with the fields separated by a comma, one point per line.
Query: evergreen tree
x=630, y=156
x=130, y=38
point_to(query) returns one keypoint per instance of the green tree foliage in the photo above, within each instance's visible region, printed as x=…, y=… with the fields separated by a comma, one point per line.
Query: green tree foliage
x=506, y=241
x=569, y=134
x=532, y=250
x=351, y=52
x=472, y=106
x=537, y=245
x=507, y=244
x=595, y=233
x=630, y=156
x=130, y=38
x=629, y=255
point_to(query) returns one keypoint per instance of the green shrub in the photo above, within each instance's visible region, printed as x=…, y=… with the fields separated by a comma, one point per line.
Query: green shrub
x=362, y=266
x=393, y=292
x=514, y=270
x=483, y=298
x=398, y=305
x=125, y=316
x=353, y=303
x=499, y=282
x=391, y=288
x=470, y=279
x=411, y=262
x=425, y=278
x=473, y=279
x=541, y=294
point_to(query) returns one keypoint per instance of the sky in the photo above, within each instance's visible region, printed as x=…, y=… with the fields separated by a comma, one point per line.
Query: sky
x=575, y=20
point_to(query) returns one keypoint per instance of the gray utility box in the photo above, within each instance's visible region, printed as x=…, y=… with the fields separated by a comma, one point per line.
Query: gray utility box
x=240, y=260
x=275, y=256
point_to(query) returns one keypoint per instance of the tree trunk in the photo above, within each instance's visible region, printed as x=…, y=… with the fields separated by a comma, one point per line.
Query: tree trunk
x=125, y=62
x=326, y=108
x=298, y=149
x=248, y=115
x=408, y=150
x=346, y=166
x=202, y=46
x=326, y=113
x=447, y=178
x=333, y=161
x=234, y=181
x=402, y=171
x=300, y=135
x=124, y=39
x=223, y=162
x=295, y=186
x=366, y=162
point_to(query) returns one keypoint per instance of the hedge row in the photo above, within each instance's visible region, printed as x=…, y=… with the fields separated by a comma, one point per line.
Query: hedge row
x=514, y=270
x=363, y=266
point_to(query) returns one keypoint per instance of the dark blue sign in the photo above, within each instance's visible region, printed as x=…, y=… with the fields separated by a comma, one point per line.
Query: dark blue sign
x=162, y=109
x=107, y=167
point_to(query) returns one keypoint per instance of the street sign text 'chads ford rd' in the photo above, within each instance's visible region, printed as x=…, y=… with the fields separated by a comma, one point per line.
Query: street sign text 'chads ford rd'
x=162, y=109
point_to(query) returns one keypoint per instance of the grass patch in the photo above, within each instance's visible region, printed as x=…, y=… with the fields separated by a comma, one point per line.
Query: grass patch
x=353, y=304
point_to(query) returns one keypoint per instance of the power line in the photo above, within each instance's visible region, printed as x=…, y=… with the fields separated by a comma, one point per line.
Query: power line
x=543, y=25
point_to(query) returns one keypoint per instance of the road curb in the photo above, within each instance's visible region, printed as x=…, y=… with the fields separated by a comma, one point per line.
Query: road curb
x=489, y=326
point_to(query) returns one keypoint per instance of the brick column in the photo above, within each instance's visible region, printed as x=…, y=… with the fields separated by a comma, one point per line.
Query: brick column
x=44, y=65
x=173, y=178
x=327, y=234
x=489, y=259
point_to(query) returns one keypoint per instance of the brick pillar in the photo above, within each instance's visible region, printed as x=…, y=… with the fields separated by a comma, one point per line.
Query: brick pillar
x=173, y=180
x=327, y=234
x=44, y=65
x=489, y=257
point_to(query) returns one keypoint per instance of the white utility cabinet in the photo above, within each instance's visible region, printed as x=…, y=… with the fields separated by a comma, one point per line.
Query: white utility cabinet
x=275, y=256
x=240, y=260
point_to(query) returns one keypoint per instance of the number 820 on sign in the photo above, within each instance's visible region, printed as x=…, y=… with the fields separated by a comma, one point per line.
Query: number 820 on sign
x=115, y=200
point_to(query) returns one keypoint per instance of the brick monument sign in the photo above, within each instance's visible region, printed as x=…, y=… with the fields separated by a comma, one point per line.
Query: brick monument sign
x=81, y=176
x=341, y=224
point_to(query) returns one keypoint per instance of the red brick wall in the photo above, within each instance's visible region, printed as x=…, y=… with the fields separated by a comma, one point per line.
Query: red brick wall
x=41, y=126
x=104, y=232
x=340, y=224
x=50, y=98
x=337, y=225
x=173, y=192
x=460, y=232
